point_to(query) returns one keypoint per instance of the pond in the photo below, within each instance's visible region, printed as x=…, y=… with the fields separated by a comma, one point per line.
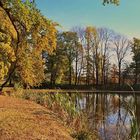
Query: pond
x=113, y=116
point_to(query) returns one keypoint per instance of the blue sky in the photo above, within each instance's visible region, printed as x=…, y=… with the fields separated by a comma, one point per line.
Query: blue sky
x=124, y=19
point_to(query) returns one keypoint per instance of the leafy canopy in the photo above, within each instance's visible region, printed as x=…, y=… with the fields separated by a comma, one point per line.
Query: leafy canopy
x=24, y=34
x=116, y=2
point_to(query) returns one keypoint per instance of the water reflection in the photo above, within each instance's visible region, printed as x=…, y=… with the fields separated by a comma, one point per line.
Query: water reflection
x=113, y=116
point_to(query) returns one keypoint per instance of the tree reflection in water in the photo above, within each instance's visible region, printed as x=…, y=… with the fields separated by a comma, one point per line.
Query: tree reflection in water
x=113, y=116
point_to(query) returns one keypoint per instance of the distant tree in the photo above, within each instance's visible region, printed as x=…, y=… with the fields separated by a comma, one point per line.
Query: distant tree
x=96, y=45
x=71, y=46
x=114, y=74
x=136, y=58
x=57, y=63
x=79, y=59
x=121, y=47
x=90, y=34
x=66, y=54
x=126, y=77
x=116, y=2
x=95, y=53
x=105, y=36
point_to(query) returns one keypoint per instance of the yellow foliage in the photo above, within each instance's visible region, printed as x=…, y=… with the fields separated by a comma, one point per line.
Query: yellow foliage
x=24, y=34
x=7, y=56
x=7, y=35
x=6, y=26
x=91, y=32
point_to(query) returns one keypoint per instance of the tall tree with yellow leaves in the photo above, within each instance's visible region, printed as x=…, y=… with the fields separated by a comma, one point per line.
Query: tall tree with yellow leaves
x=24, y=34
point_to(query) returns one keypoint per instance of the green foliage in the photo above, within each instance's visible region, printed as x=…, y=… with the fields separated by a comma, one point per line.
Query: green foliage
x=56, y=64
x=84, y=135
x=59, y=65
x=67, y=102
x=116, y=2
x=64, y=101
x=136, y=49
x=69, y=40
x=134, y=129
x=135, y=65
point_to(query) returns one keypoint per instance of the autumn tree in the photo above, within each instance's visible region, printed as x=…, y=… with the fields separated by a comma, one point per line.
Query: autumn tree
x=89, y=33
x=97, y=41
x=93, y=54
x=7, y=36
x=29, y=35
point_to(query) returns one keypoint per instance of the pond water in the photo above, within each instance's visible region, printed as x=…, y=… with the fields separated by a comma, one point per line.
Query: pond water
x=113, y=116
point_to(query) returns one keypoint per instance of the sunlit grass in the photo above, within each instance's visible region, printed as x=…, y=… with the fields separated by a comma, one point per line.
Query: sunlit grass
x=20, y=119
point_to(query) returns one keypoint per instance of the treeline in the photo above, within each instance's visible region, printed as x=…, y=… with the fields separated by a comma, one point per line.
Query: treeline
x=93, y=56
x=33, y=52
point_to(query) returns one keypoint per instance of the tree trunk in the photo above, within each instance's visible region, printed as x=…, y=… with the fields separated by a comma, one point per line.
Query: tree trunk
x=70, y=72
x=119, y=74
x=97, y=75
x=97, y=68
x=13, y=66
x=76, y=69
x=136, y=73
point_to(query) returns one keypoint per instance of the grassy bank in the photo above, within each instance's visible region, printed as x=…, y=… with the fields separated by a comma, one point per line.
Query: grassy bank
x=26, y=120
x=63, y=106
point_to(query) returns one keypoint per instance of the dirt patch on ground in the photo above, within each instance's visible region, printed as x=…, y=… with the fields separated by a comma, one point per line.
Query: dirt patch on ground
x=25, y=120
